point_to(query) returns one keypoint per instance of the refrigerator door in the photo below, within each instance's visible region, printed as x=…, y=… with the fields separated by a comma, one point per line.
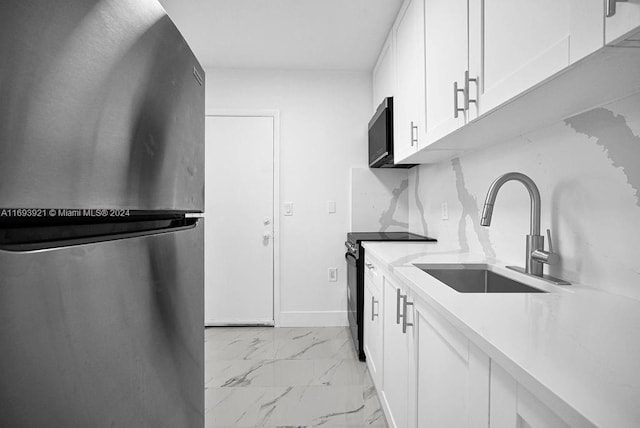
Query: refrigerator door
x=106, y=334
x=102, y=106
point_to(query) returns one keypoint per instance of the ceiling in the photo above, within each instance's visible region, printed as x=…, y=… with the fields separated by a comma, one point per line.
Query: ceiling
x=285, y=34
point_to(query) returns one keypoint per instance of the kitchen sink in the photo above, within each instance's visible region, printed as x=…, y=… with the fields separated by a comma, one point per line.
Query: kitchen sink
x=475, y=278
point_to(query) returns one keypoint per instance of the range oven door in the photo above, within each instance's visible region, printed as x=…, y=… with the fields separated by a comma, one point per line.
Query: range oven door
x=352, y=297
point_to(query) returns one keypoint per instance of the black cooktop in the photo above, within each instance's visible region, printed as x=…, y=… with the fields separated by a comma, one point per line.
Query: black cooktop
x=357, y=237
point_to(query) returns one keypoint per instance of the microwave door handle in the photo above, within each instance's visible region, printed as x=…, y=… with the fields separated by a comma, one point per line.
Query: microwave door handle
x=379, y=157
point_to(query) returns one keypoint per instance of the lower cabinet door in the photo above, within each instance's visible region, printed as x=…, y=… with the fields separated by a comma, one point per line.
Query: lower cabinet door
x=396, y=350
x=373, y=331
x=512, y=406
x=452, y=375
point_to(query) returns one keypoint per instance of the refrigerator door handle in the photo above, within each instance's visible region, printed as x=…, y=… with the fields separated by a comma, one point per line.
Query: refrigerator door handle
x=30, y=239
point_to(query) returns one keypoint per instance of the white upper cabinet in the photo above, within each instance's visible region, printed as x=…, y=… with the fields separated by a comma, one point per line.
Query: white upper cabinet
x=446, y=51
x=408, y=104
x=503, y=67
x=622, y=18
x=384, y=74
x=524, y=42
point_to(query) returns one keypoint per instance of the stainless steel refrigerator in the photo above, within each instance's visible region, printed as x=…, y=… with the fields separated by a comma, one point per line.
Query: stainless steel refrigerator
x=101, y=258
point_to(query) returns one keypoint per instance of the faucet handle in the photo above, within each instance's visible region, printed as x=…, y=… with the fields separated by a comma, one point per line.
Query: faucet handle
x=548, y=257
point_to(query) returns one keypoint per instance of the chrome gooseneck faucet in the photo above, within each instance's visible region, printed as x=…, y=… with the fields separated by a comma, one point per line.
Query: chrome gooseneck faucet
x=535, y=254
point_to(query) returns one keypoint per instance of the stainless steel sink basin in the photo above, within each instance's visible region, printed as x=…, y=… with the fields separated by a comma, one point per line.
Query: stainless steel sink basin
x=475, y=278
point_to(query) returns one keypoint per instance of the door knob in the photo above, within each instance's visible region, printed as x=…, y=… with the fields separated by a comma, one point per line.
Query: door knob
x=267, y=221
x=266, y=236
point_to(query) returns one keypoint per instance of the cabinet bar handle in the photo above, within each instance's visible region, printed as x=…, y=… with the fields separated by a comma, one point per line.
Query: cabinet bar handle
x=455, y=99
x=406, y=324
x=414, y=140
x=373, y=313
x=398, y=316
x=611, y=7
x=467, y=98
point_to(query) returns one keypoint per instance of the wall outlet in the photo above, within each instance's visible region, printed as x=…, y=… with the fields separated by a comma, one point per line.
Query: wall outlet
x=445, y=211
x=333, y=274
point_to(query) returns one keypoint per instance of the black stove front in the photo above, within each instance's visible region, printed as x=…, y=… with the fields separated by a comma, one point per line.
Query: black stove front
x=355, y=277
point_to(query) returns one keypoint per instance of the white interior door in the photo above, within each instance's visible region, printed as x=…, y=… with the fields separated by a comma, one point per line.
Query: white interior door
x=239, y=250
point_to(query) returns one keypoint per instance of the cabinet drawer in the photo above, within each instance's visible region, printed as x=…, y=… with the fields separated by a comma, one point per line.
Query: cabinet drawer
x=373, y=272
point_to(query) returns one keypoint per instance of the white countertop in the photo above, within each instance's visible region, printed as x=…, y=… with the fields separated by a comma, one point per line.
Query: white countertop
x=574, y=343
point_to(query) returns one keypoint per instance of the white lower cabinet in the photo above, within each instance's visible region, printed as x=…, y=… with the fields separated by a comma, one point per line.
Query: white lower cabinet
x=513, y=406
x=452, y=375
x=373, y=325
x=429, y=374
x=397, y=351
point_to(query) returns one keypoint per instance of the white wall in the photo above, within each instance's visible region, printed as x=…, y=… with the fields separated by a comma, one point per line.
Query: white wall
x=588, y=171
x=323, y=133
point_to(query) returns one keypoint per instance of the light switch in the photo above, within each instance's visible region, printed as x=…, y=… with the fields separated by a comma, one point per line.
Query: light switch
x=288, y=208
x=331, y=207
x=445, y=211
x=333, y=274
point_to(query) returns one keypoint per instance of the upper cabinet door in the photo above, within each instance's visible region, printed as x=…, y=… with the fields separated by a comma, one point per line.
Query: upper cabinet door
x=410, y=93
x=524, y=42
x=384, y=74
x=626, y=18
x=446, y=62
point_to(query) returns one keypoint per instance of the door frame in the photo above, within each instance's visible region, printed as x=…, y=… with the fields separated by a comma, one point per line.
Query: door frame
x=275, y=115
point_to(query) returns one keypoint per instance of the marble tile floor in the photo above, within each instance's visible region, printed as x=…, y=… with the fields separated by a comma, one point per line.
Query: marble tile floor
x=287, y=377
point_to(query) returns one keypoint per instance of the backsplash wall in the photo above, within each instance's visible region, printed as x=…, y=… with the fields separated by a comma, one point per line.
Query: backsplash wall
x=587, y=168
x=379, y=200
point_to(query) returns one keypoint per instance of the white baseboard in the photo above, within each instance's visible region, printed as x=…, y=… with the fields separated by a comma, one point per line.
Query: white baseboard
x=222, y=323
x=312, y=319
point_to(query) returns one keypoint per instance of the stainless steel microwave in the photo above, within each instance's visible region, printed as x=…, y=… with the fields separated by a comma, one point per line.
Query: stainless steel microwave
x=381, y=137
